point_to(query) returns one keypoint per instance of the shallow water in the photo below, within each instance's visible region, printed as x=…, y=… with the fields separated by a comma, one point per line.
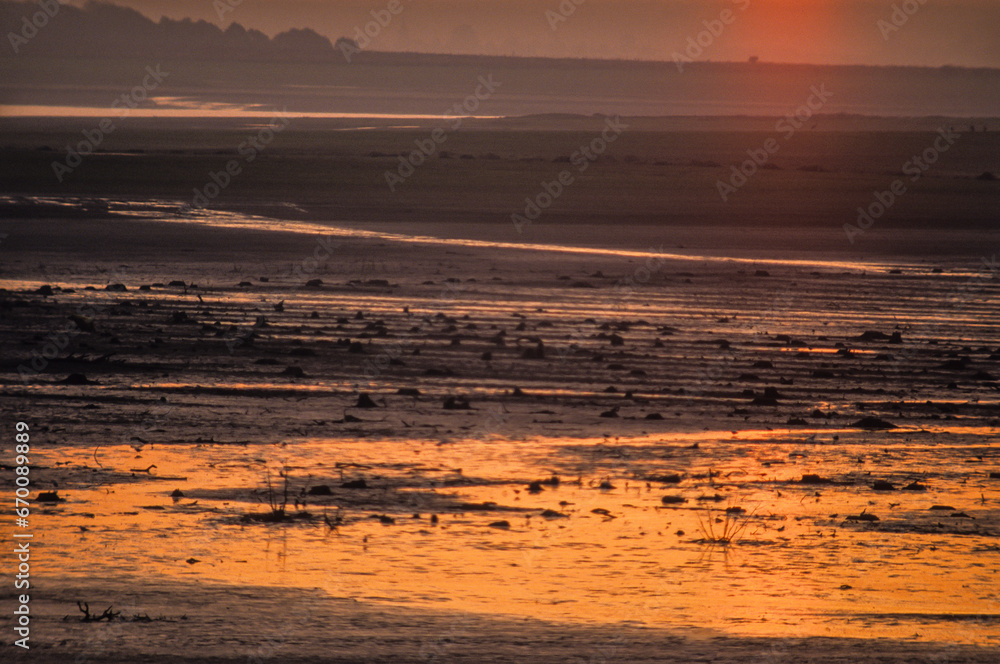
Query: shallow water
x=216, y=420
x=794, y=566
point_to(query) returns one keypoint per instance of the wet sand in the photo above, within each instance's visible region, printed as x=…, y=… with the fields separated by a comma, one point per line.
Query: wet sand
x=490, y=452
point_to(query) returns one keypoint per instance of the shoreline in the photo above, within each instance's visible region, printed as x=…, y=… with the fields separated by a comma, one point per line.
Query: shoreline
x=301, y=625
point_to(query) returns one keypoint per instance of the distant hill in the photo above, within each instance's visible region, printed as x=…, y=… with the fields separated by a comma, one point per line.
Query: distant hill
x=101, y=29
x=101, y=46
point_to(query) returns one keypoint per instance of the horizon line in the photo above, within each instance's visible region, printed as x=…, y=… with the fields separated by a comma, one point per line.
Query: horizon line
x=580, y=60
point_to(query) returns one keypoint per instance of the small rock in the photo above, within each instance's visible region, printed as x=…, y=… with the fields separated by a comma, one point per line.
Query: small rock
x=457, y=403
x=365, y=401
x=665, y=479
x=814, y=479
x=872, y=423
x=77, y=379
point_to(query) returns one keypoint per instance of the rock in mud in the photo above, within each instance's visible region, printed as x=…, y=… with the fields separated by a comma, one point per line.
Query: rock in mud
x=365, y=401
x=77, y=379
x=665, y=479
x=457, y=403
x=815, y=479
x=871, y=422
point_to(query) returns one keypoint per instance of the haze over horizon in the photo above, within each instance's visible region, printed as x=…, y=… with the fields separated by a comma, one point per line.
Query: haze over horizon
x=849, y=32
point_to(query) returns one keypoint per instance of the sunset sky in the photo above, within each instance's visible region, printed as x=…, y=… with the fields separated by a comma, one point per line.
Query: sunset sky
x=939, y=32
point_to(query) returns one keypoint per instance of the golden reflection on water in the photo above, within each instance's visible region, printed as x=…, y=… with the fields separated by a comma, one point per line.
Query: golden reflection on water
x=798, y=569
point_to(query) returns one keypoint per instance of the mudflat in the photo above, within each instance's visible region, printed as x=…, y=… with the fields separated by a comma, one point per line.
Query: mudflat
x=320, y=420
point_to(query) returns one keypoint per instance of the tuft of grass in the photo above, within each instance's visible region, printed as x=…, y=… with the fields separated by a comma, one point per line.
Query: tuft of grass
x=724, y=531
x=277, y=508
x=277, y=501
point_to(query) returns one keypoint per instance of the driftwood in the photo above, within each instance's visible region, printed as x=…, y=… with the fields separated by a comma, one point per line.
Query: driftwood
x=108, y=614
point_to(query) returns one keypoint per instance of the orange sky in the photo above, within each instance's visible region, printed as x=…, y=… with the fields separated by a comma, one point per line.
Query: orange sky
x=958, y=32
